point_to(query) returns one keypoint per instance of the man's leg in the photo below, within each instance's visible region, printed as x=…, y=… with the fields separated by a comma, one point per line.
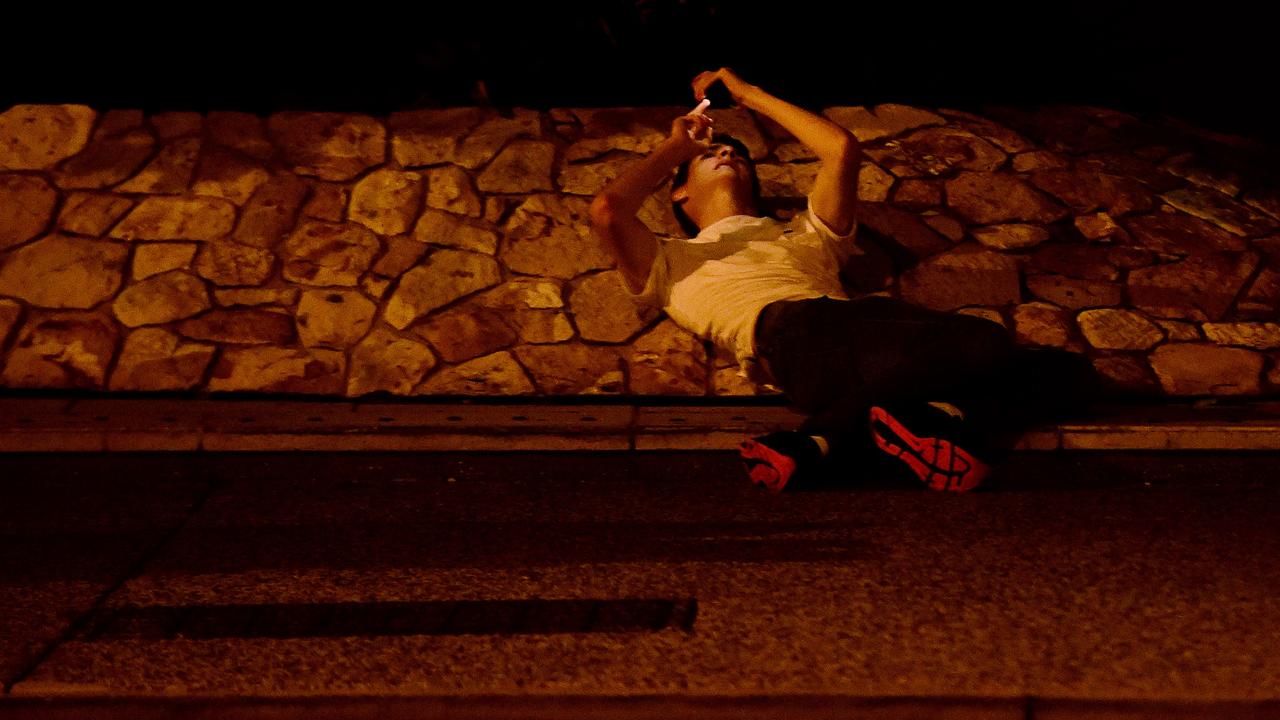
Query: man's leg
x=809, y=363
x=1033, y=385
x=986, y=416
x=838, y=359
x=932, y=365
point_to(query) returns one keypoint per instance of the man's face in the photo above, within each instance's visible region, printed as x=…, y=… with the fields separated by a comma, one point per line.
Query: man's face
x=720, y=166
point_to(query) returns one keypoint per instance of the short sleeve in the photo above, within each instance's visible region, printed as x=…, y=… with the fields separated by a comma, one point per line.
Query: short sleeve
x=826, y=231
x=652, y=294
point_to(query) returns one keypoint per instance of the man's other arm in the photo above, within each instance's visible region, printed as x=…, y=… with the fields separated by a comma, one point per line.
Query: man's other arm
x=835, y=190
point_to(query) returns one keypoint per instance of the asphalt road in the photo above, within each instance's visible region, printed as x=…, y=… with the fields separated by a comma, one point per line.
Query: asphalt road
x=1069, y=577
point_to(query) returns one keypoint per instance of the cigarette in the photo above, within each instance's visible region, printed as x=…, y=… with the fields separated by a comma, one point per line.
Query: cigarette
x=706, y=103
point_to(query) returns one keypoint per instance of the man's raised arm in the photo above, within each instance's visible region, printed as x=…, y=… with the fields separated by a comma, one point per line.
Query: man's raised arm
x=835, y=190
x=613, y=212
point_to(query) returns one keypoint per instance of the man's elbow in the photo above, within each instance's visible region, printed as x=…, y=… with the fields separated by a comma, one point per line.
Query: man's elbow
x=600, y=204
x=602, y=217
x=849, y=149
x=602, y=211
x=842, y=150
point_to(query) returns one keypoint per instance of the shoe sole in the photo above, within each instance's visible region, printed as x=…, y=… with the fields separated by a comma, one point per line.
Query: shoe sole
x=765, y=465
x=938, y=463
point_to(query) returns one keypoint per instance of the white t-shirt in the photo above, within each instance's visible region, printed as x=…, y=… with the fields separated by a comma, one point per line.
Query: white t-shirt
x=716, y=284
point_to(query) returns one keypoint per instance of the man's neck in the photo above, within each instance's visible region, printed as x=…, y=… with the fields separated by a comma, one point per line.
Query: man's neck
x=720, y=207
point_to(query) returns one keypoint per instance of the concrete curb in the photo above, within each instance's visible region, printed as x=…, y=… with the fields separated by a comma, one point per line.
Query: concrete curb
x=180, y=425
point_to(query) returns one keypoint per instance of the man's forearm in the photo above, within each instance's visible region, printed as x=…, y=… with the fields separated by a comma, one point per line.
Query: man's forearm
x=826, y=139
x=627, y=192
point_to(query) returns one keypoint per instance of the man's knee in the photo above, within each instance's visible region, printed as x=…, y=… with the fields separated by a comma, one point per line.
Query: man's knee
x=1055, y=379
x=982, y=342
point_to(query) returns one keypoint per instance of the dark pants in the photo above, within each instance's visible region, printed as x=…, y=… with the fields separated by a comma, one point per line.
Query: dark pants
x=834, y=359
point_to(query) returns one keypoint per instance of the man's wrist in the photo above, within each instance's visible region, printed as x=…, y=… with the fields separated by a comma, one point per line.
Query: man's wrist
x=751, y=96
x=675, y=150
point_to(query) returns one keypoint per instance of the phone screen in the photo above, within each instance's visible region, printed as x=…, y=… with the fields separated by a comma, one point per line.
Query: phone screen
x=719, y=95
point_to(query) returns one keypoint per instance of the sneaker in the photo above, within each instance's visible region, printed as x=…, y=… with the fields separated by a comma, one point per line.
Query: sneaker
x=927, y=440
x=775, y=459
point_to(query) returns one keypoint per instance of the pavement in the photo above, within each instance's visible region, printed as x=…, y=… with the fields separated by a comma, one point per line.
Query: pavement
x=70, y=423
x=1075, y=583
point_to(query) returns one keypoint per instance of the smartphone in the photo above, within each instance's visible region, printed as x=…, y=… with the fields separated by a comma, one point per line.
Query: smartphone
x=719, y=95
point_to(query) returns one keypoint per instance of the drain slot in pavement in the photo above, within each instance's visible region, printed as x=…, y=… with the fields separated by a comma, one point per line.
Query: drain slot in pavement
x=441, y=617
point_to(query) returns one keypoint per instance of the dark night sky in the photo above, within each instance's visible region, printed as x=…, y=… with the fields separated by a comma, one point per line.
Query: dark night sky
x=1211, y=69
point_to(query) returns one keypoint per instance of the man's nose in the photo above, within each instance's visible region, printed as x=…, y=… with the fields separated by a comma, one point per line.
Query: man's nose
x=728, y=154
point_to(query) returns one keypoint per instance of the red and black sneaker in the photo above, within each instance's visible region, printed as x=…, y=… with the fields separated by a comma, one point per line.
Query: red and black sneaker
x=927, y=439
x=775, y=459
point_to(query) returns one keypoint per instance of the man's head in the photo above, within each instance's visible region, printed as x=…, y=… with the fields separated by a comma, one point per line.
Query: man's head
x=725, y=167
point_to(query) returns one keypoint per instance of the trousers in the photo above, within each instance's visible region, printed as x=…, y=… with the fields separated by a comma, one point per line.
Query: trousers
x=835, y=358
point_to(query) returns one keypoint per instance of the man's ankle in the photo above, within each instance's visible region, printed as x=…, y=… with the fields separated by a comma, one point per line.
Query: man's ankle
x=824, y=447
x=948, y=408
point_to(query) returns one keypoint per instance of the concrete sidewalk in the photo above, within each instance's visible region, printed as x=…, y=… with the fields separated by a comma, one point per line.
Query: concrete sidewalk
x=643, y=707
x=66, y=424
x=1081, y=585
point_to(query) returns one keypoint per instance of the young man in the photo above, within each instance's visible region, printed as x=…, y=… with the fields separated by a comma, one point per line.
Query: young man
x=769, y=291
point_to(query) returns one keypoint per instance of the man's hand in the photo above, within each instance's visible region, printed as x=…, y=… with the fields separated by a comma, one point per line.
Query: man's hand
x=835, y=189
x=738, y=89
x=691, y=135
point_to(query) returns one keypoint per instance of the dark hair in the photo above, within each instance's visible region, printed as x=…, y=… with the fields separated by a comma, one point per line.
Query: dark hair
x=682, y=176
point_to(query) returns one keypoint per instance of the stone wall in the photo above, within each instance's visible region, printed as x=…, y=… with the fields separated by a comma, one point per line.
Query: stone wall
x=448, y=251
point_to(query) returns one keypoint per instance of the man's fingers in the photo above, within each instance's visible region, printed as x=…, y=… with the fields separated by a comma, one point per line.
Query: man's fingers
x=706, y=77
x=700, y=120
x=700, y=84
x=697, y=126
